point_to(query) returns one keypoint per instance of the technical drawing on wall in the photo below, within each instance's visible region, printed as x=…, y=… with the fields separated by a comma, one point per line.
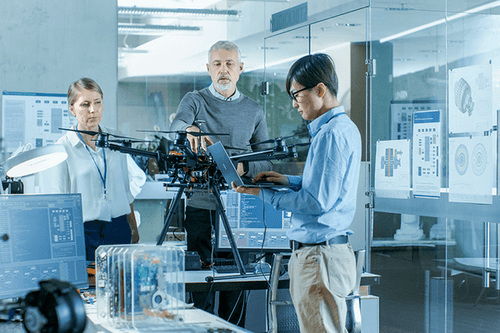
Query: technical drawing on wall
x=471, y=92
x=427, y=153
x=33, y=118
x=402, y=116
x=392, y=175
x=471, y=176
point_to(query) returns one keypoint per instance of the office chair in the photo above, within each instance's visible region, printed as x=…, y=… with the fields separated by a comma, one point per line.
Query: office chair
x=353, y=300
x=281, y=315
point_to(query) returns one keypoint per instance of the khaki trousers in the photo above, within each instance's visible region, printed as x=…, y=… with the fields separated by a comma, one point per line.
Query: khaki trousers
x=320, y=278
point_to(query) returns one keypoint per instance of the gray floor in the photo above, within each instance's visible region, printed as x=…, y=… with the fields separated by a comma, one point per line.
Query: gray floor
x=402, y=294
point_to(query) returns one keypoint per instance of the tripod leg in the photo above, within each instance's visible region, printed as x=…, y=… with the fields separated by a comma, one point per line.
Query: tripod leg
x=227, y=227
x=170, y=215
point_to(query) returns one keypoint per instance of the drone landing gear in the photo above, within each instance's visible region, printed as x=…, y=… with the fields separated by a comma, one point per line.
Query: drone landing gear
x=220, y=208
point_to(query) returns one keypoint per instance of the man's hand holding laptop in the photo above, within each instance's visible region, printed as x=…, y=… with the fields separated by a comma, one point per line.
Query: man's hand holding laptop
x=265, y=176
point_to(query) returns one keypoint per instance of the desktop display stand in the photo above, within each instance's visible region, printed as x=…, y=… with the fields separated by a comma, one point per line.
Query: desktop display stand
x=214, y=188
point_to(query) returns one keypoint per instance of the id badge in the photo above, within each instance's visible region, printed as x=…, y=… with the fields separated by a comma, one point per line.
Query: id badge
x=105, y=210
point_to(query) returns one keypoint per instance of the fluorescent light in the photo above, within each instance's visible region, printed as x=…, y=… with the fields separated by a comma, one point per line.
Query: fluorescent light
x=35, y=160
x=438, y=22
x=139, y=11
x=151, y=29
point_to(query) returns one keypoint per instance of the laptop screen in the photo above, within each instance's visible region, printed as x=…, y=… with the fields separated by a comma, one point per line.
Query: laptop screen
x=225, y=164
x=41, y=237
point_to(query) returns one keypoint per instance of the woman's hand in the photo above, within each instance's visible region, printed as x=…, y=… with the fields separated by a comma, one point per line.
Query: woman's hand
x=132, y=223
x=135, y=235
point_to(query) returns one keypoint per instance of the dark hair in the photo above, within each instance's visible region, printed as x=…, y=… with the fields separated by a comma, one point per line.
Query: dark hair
x=83, y=83
x=313, y=69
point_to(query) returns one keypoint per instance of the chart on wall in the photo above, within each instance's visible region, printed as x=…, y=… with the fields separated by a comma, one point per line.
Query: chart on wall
x=471, y=169
x=427, y=153
x=33, y=118
x=392, y=173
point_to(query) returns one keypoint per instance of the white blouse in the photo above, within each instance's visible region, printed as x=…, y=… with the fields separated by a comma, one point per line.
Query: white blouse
x=79, y=174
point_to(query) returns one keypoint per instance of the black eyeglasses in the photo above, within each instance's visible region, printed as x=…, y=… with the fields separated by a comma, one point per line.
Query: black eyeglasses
x=292, y=95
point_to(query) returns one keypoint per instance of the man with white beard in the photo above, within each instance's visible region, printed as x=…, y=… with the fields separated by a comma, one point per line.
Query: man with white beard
x=223, y=109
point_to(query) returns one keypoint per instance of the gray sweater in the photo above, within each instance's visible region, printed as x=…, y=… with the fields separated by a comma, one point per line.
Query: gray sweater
x=243, y=119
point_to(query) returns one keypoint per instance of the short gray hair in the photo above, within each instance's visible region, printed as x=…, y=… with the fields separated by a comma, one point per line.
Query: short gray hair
x=225, y=45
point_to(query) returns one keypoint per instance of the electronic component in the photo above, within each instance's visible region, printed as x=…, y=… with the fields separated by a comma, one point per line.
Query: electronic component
x=139, y=285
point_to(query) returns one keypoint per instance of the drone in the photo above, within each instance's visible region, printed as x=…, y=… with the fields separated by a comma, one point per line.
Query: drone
x=184, y=166
x=194, y=169
x=191, y=170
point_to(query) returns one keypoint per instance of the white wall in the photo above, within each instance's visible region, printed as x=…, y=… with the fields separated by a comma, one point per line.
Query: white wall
x=47, y=45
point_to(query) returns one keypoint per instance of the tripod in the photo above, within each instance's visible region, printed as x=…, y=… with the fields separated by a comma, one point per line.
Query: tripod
x=214, y=188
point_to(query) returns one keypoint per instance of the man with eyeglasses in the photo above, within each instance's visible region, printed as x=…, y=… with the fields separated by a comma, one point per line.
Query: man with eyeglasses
x=322, y=201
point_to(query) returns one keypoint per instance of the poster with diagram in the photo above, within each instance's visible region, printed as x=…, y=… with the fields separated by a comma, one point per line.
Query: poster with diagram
x=392, y=172
x=402, y=116
x=471, y=91
x=426, y=154
x=33, y=118
x=471, y=172
x=473, y=104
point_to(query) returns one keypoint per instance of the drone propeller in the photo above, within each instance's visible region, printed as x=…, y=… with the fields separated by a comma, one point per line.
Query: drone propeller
x=127, y=140
x=184, y=132
x=79, y=131
x=301, y=144
x=95, y=133
x=280, y=138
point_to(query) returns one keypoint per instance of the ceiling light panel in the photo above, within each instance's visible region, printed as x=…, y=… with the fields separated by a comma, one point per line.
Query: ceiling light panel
x=151, y=29
x=179, y=13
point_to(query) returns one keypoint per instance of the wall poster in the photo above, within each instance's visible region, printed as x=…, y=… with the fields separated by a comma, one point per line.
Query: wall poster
x=33, y=118
x=392, y=173
x=427, y=153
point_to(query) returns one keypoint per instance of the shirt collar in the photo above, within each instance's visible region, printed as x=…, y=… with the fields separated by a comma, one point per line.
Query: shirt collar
x=214, y=92
x=73, y=137
x=315, y=125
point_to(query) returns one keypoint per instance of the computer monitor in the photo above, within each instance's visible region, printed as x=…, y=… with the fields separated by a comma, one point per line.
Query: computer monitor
x=255, y=225
x=41, y=237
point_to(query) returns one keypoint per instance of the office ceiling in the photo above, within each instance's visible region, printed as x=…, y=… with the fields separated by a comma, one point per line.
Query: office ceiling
x=174, y=40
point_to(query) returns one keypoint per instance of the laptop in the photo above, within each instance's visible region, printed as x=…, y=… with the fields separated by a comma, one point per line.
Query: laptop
x=229, y=171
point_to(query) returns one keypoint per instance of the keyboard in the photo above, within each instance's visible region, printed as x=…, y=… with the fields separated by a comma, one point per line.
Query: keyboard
x=225, y=269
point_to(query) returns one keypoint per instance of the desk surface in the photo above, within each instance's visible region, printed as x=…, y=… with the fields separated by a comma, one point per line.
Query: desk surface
x=195, y=320
x=196, y=281
x=391, y=242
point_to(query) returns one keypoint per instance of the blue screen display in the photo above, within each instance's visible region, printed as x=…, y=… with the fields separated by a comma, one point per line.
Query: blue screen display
x=254, y=225
x=41, y=237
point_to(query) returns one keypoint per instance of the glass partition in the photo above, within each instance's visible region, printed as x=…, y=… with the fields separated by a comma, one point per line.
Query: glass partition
x=283, y=120
x=420, y=80
x=434, y=109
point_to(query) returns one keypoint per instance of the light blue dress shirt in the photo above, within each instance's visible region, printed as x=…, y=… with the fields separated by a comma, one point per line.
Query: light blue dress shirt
x=214, y=92
x=323, y=200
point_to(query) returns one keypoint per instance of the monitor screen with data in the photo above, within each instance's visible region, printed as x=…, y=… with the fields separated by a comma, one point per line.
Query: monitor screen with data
x=255, y=225
x=41, y=237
